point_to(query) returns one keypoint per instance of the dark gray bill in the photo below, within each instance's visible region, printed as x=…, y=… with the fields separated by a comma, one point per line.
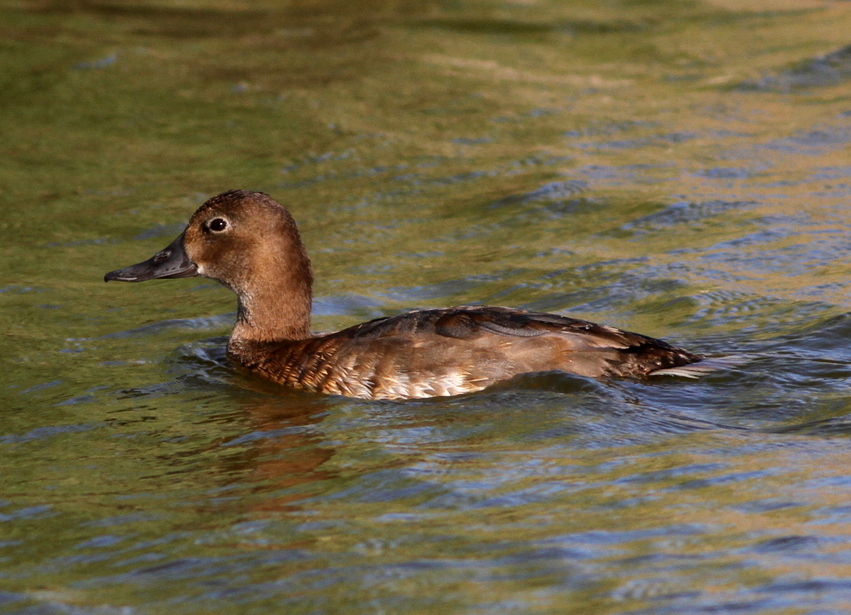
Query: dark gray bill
x=172, y=262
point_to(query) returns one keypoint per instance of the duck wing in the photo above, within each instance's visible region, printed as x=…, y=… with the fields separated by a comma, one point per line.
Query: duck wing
x=472, y=322
x=532, y=341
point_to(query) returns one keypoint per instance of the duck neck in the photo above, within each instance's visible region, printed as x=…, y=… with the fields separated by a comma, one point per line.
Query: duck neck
x=274, y=312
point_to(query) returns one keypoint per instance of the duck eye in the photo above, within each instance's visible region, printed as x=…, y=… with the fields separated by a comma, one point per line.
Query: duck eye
x=218, y=225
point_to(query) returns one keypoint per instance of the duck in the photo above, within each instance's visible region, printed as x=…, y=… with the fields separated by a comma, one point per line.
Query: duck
x=250, y=243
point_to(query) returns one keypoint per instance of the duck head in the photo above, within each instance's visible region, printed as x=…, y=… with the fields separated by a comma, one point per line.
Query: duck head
x=251, y=244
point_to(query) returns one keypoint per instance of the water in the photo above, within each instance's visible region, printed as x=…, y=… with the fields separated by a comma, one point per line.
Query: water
x=675, y=168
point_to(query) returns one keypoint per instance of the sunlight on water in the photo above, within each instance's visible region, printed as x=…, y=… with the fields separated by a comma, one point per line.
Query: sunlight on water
x=675, y=168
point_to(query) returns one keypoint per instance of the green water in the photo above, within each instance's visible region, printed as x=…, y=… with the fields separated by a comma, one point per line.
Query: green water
x=682, y=169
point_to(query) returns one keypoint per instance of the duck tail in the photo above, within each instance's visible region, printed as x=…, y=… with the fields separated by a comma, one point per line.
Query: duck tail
x=702, y=367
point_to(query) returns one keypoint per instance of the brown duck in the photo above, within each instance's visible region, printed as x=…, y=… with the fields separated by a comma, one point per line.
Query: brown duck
x=251, y=244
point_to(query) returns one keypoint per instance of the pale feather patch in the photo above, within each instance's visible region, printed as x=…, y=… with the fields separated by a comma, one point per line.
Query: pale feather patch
x=455, y=382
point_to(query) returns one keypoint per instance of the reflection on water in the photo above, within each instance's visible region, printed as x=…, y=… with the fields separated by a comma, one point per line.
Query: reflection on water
x=675, y=168
x=829, y=69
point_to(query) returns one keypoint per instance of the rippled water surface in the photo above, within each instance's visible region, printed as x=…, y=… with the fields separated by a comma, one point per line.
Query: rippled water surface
x=678, y=168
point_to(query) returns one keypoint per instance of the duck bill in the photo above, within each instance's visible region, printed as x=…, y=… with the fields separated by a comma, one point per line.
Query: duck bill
x=171, y=262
